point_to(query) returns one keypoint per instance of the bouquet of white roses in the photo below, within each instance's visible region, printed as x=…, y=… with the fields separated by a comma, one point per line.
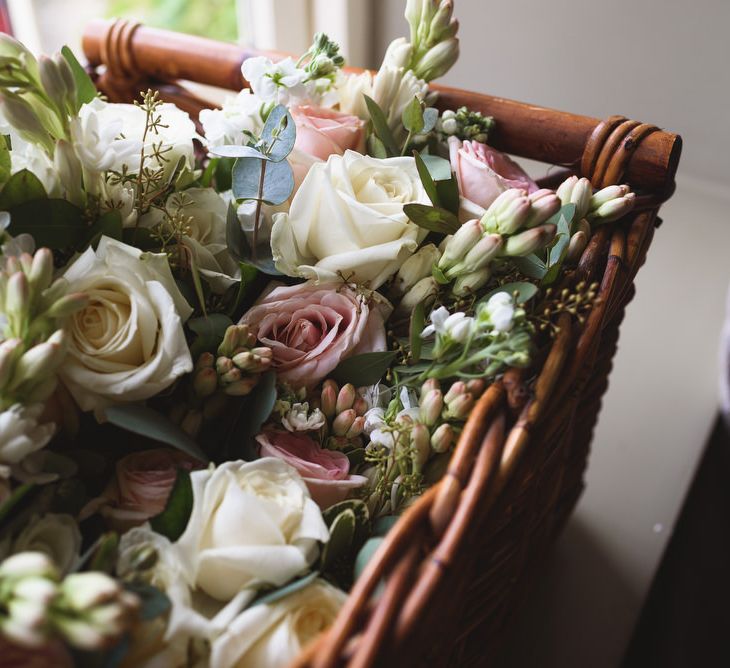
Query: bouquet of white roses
x=232, y=354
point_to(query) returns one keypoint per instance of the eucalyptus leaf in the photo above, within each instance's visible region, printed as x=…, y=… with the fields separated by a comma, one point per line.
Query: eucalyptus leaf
x=172, y=521
x=381, y=127
x=210, y=331
x=430, y=118
x=286, y=590
x=525, y=291
x=342, y=535
x=563, y=218
x=418, y=320
x=144, y=421
x=366, y=553
x=412, y=116
x=85, y=89
x=54, y=223
x=279, y=134
x=154, y=602
x=278, y=180
x=22, y=187
x=426, y=179
x=235, y=151
x=384, y=524
x=240, y=248
x=363, y=369
x=531, y=266
x=432, y=218
x=439, y=168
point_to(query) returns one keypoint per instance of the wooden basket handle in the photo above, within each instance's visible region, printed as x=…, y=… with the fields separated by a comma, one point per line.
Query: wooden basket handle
x=605, y=151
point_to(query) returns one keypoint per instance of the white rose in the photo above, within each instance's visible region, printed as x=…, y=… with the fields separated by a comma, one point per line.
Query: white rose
x=98, y=131
x=20, y=432
x=128, y=344
x=274, y=634
x=347, y=220
x=237, y=115
x=252, y=524
x=56, y=535
x=205, y=212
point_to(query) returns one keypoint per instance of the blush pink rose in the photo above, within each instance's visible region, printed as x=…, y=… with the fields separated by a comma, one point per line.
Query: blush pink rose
x=484, y=173
x=311, y=328
x=325, y=132
x=140, y=487
x=325, y=472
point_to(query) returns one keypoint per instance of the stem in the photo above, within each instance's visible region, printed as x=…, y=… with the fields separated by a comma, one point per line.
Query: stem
x=408, y=141
x=259, y=203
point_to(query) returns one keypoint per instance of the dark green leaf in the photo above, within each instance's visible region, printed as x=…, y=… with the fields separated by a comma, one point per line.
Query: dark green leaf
x=430, y=117
x=531, y=266
x=9, y=505
x=105, y=554
x=381, y=127
x=240, y=249
x=108, y=225
x=210, y=331
x=448, y=192
x=279, y=134
x=140, y=237
x=278, y=180
x=258, y=408
x=342, y=534
x=432, y=218
x=418, y=320
x=85, y=89
x=23, y=186
x=357, y=506
x=366, y=553
x=5, y=163
x=146, y=422
x=207, y=176
x=364, y=369
x=384, y=524
x=223, y=171
x=412, y=116
x=356, y=457
x=54, y=223
x=172, y=521
x=286, y=590
x=525, y=291
x=154, y=602
x=426, y=179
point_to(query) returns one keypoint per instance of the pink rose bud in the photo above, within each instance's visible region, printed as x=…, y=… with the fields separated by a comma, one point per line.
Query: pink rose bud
x=421, y=444
x=345, y=398
x=324, y=132
x=343, y=422
x=430, y=408
x=442, y=438
x=329, y=399
x=205, y=382
x=529, y=241
x=356, y=428
x=361, y=406
x=545, y=204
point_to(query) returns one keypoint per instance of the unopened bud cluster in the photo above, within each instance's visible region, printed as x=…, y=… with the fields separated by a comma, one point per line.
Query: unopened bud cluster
x=344, y=410
x=90, y=611
x=33, y=310
x=433, y=37
x=414, y=283
x=465, y=124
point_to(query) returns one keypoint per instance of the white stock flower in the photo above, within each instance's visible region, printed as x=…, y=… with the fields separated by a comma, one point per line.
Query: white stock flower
x=457, y=326
x=298, y=418
x=281, y=82
x=347, y=220
x=227, y=124
x=54, y=534
x=274, y=634
x=501, y=310
x=128, y=344
x=20, y=432
x=253, y=524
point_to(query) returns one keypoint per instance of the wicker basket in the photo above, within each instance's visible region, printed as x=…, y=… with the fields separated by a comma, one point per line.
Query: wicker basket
x=460, y=560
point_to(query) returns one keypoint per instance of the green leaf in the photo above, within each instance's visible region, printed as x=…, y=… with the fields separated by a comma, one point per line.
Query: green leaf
x=240, y=249
x=108, y=225
x=258, y=407
x=358, y=507
x=54, y=223
x=223, y=174
x=563, y=218
x=278, y=180
x=439, y=275
x=105, y=554
x=525, y=291
x=22, y=187
x=366, y=553
x=430, y=117
x=384, y=524
x=206, y=177
x=356, y=457
x=198, y=284
x=426, y=179
x=85, y=89
x=342, y=534
x=418, y=320
x=172, y=521
x=144, y=421
x=381, y=127
x=376, y=148
x=286, y=590
x=364, y=369
x=448, y=192
x=279, y=134
x=5, y=163
x=432, y=218
x=412, y=116
x=154, y=602
x=210, y=331
x=439, y=168
x=531, y=266
x=9, y=505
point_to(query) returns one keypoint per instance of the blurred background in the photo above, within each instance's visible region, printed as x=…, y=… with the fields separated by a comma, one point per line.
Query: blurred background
x=639, y=576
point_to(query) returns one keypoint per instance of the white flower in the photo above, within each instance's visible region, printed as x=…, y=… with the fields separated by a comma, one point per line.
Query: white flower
x=347, y=220
x=374, y=420
x=281, y=82
x=274, y=634
x=298, y=418
x=457, y=326
x=56, y=535
x=109, y=136
x=501, y=310
x=227, y=124
x=20, y=432
x=128, y=344
x=116, y=196
x=252, y=524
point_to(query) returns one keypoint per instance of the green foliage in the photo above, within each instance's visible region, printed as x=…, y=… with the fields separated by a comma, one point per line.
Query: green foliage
x=172, y=521
x=363, y=369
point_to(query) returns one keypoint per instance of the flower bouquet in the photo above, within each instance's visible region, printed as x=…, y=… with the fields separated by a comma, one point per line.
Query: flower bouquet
x=232, y=354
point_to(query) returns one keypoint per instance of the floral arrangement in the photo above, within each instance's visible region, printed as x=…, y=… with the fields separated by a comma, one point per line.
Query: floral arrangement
x=232, y=354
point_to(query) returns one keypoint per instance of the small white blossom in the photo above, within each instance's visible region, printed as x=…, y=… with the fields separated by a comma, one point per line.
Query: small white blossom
x=238, y=114
x=282, y=82
x=501, y=311
x=21, y=433
x=298, y=418
x=457, y=326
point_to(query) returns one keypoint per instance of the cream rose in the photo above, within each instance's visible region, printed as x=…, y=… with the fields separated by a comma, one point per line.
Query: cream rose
x=54, y=534
x=252, y=524
x=274, y=634
x=128, y=344
x=347, y=220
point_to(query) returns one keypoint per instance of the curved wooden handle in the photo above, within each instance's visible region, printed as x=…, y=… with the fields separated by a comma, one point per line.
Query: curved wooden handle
x=647, y=160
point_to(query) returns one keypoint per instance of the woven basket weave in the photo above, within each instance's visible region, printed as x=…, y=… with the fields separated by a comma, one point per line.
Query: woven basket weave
x=459, y=561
